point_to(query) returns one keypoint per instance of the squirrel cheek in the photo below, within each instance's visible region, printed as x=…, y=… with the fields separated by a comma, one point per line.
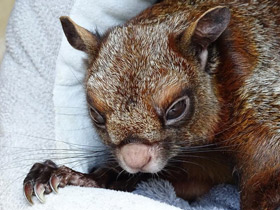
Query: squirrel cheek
x=138, y=157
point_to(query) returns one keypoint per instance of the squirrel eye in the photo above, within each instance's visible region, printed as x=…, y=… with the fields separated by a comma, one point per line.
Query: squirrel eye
x=97, y=118
x=177, y=111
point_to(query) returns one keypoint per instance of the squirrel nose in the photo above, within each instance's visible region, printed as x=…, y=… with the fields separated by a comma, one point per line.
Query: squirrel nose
x=136, y=155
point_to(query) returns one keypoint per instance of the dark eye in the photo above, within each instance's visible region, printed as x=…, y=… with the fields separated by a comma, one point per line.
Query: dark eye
x=97, y=118
x=177, y=111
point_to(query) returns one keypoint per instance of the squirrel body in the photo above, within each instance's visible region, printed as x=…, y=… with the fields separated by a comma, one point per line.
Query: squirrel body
x=240, y=95
x=239, y=99
x=190, y=89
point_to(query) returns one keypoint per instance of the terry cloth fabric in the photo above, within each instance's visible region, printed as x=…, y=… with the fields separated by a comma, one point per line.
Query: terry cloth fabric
x=43, y=113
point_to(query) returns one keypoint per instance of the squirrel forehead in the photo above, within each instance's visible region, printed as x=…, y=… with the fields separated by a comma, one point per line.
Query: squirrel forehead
x=115, y=90
x=135, y=63
x=129, y=48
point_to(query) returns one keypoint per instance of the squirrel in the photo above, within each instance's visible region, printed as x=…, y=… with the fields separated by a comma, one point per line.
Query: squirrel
x=188, y=89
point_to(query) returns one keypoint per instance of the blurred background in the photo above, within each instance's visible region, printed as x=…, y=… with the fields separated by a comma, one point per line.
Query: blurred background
x=6, y=7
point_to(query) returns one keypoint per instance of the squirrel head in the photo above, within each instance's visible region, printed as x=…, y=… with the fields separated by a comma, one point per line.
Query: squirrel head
x=148, y=90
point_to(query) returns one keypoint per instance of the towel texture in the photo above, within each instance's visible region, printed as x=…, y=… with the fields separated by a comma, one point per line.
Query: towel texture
x=26, y=83
x=43, y=113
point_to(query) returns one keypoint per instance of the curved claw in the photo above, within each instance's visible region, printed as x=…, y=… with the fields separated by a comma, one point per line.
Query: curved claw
x=39, y=190
x=28, y=191
x=54, y=183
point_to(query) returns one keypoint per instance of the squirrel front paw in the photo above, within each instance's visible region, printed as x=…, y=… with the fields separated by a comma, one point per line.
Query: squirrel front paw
x=43, y=178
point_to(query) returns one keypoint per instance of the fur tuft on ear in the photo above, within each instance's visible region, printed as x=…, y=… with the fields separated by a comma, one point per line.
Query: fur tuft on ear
x=79, y=37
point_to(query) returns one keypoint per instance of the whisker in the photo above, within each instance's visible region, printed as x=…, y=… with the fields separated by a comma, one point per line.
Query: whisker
x=190, y=162
x=76, y=149
x=15, y=167
x=11, y=183
x=78, y=129
x=212, y=159
x=167, y=172
x=71, y=107
x=221, y=142
x=132, y=176
x=119, y=174
x=222, y=131
x=73, y=114
x=106, y=159
x=25, y=162
x=178, y=168
x=55, y=140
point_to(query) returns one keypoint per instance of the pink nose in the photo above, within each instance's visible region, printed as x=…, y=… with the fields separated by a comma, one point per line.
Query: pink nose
x=136, y=156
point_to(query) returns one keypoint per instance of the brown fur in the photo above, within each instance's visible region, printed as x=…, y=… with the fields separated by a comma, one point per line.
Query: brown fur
x=142, y=67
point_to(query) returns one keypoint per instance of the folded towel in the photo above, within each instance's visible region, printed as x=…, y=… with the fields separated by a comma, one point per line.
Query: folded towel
x=43, y=112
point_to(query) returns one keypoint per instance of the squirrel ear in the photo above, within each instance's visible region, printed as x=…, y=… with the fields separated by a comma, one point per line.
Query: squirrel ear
x=210, y=26
x=205, y=30
x=79, y=37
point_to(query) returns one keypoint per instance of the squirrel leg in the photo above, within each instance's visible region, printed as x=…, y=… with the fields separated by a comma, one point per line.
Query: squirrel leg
x=117, y=178
x=43, y=178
